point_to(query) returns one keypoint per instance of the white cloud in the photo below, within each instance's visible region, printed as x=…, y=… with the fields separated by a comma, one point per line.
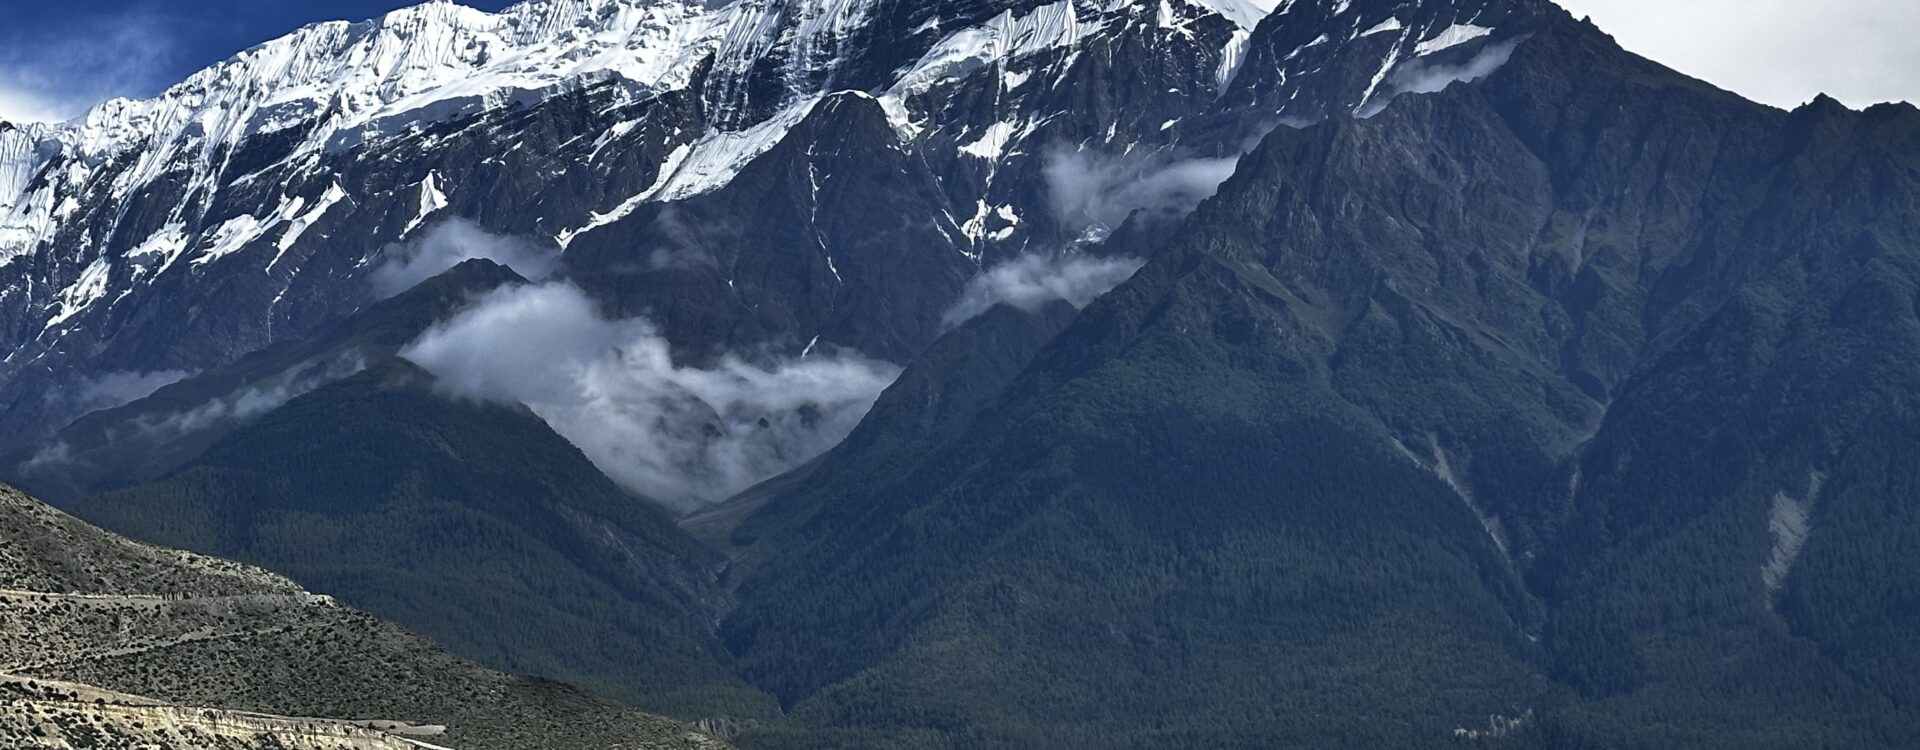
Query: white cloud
x=451, y=242
x=1780, y=52
x=679, y=434
x=1423, y=76
x=1091, y=189
x=54, y=74
x=253, y=400
x=239, y=405
x=18, y=104
x=682, y=246
x=116, y=389
x=1031, y=281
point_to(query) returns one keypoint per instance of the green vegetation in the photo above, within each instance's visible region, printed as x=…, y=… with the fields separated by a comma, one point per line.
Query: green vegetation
x=150, y=438
x=1473, y=423
x=1274, y=574
x=1572, y=409
x=472, y=523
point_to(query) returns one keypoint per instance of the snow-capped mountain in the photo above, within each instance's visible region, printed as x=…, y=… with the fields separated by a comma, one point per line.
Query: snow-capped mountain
x=768, y=172
x=1569, y=406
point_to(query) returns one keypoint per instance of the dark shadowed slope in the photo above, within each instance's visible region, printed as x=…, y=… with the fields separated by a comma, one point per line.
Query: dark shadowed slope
x=935, y=396
x=1559, y=410
x=150, y=437
x=750, y=174
x=472, y=523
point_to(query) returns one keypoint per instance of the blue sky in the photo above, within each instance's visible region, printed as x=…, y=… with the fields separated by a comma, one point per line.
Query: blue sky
x=1781, y=52
x=58, y=57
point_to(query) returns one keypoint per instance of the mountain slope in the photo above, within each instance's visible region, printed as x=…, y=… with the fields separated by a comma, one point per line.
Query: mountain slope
x=955, y=378
x=149, y=437
x=426, y=510
x=1513, y=390
x=1519, y=400
x=253, y=202
x=230, y=656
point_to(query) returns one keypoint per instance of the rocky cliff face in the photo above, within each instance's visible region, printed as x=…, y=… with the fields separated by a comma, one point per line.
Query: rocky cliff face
x=749, y=173
x=1510, y=389
x=1508, y=395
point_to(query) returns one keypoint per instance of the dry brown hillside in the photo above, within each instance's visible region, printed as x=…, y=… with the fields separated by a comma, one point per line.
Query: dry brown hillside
x=106, y=642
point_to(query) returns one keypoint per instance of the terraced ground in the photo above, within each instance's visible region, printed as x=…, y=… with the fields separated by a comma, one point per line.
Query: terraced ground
x=108, y=643
x=51, y=714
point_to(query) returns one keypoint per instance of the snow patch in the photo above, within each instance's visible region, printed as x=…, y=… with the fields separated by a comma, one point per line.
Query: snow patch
x=1423, y=76
x=1003, y=39
x=164, y=246
x=703, y=167
x=1232, y=57
x=1380, y=76
x=618, y=131
x=85, y=291
x=1243, y=13
x=431, y=200
x=299, y=224
x=231, y=237
x=716, y=159
x=1452, y=36
x=1012, y=224
x=899, y=117
x=1391, y=24
x=992, y=144
x=237, y=233
x=25, y=223
x=1789, y=521
x=597, y=220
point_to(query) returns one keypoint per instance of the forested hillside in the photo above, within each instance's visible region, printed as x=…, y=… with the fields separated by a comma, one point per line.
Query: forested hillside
x=472, y=523
x=1521, y=409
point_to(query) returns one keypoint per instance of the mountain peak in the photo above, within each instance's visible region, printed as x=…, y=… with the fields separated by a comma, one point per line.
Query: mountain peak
x=282, y=174
x=1824, y=104
x=426, y=58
